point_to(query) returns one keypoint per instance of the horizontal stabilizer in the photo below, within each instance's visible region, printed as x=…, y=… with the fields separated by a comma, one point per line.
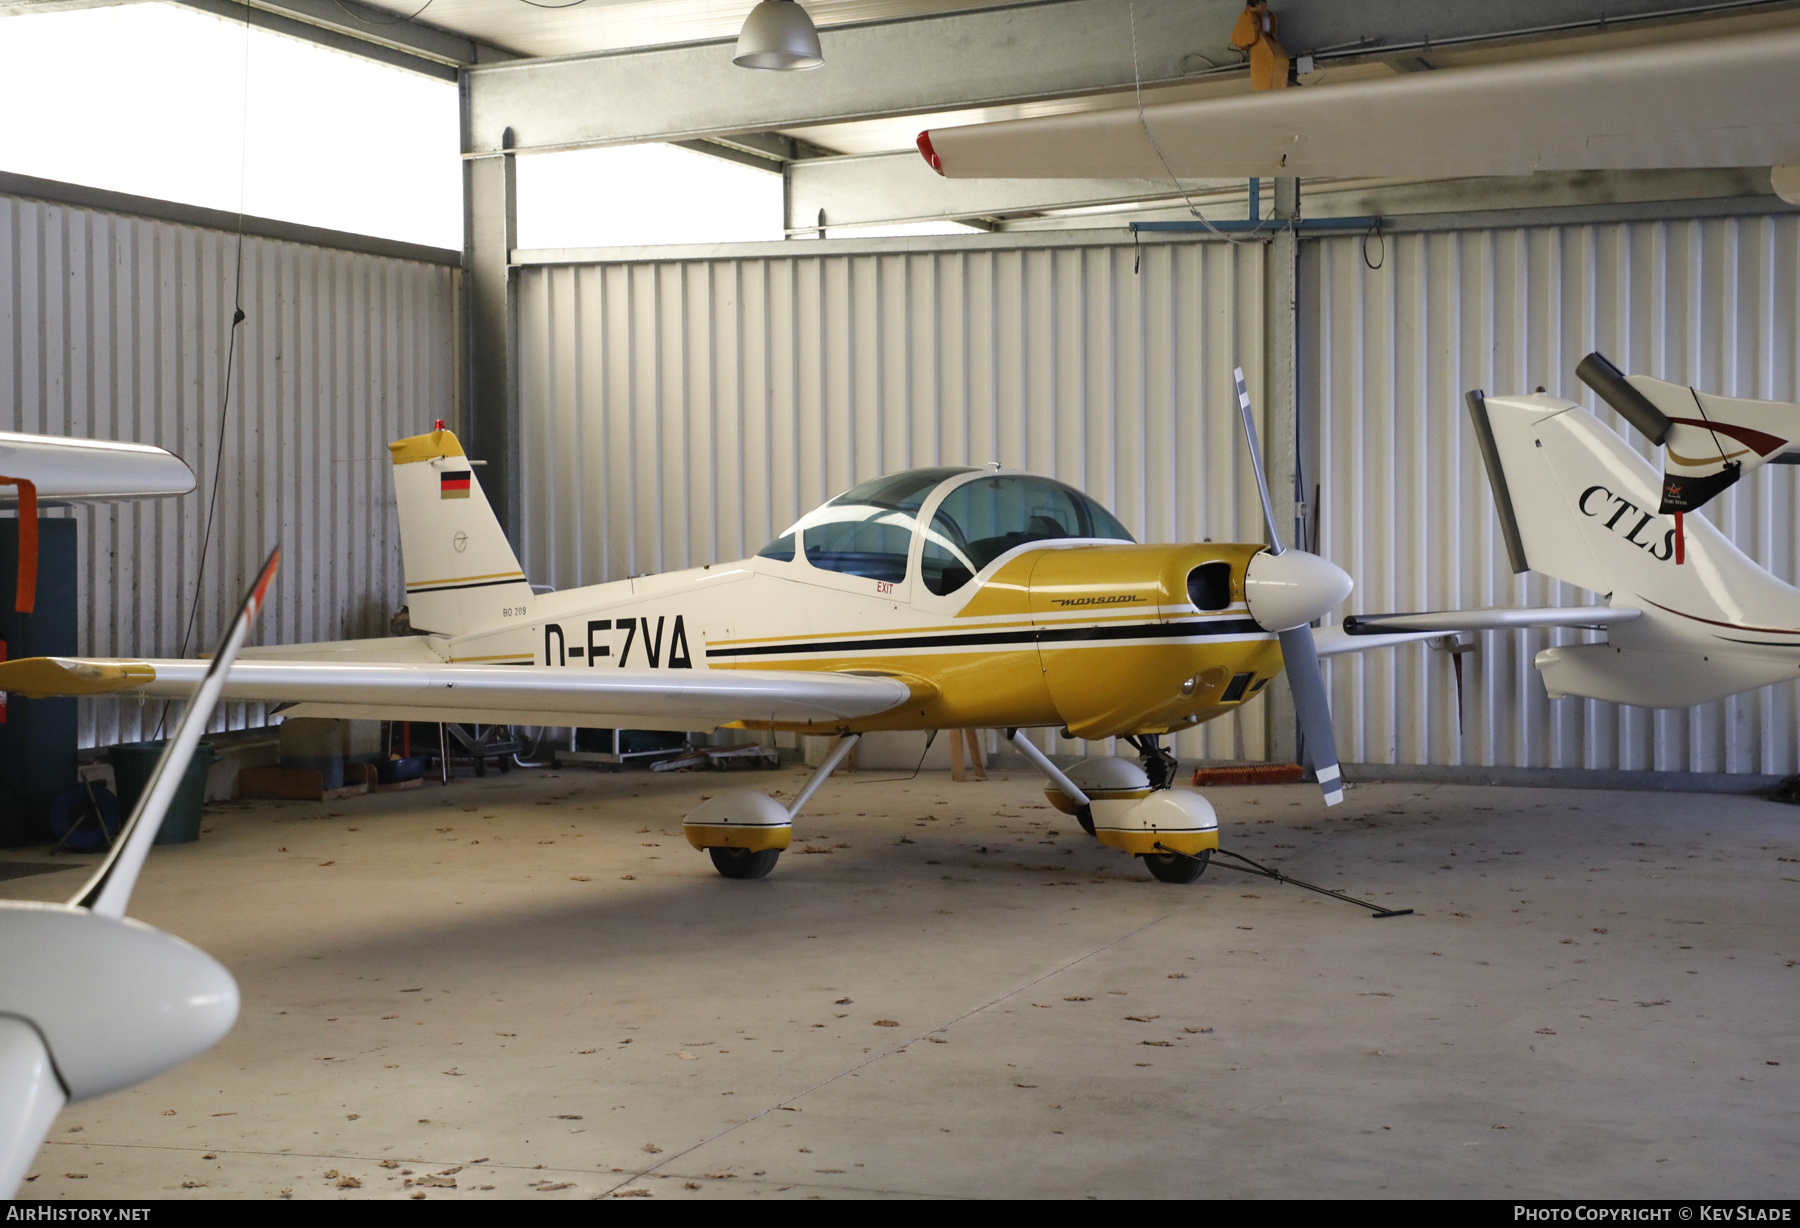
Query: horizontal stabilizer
x=1708, y=441
x=1443, y=622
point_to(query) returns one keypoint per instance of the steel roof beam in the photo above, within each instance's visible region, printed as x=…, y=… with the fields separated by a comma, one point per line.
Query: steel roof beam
x=380, y=36
x=982, y=57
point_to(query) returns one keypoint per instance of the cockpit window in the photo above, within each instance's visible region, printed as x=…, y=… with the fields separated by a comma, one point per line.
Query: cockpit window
x=866, y=531
x=981, y=520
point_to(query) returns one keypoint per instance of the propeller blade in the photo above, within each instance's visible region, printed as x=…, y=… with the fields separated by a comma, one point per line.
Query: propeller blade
x=1256, y=460
x=1318, y=741
x=109, y=890
x=1301, y=655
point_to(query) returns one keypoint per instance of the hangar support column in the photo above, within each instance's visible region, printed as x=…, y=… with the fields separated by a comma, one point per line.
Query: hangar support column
x=1281, y=416
x=490, y=232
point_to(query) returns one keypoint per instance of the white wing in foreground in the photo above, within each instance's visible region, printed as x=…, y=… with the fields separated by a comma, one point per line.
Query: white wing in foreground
x=651, y=699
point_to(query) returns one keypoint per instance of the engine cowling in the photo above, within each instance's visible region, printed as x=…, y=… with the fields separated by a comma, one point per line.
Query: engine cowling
x=1141, y=639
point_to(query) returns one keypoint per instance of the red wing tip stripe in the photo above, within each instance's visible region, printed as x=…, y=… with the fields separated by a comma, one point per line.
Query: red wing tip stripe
x=262, y=583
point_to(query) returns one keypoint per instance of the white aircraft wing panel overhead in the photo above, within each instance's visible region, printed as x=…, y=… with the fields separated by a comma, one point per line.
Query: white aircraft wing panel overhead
x=92, y=470
x=700, y=696
x=1708, y=103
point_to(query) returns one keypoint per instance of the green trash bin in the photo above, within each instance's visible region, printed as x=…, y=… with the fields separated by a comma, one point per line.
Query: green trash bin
x=134, y=762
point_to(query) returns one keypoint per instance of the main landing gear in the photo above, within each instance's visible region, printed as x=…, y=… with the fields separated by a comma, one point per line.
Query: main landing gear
x=744, y=831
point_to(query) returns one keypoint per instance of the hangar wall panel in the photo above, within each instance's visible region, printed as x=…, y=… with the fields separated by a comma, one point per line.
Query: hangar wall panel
x=1388, y=354
x=685, y=412
x=116, y=327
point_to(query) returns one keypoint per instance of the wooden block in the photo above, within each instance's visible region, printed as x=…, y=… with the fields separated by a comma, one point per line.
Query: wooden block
x=973, y=738
x=287, y=784
x=1251, y=774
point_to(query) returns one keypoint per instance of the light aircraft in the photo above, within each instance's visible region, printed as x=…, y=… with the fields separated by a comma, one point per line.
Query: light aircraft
x=1688, y=616
x=92, y=1002
x=941, y=598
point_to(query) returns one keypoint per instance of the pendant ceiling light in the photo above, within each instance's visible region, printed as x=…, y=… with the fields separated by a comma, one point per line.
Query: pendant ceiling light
x=778, y=35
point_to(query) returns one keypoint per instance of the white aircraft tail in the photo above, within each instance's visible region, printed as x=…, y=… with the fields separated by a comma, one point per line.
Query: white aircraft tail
x=1578, y=504
x=461, y=573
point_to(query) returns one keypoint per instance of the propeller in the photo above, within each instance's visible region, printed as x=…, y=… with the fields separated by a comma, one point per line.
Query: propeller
x=1286, y=590
x=70, y=973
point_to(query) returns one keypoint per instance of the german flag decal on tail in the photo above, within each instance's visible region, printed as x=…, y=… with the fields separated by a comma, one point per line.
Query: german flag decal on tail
x=454, y=483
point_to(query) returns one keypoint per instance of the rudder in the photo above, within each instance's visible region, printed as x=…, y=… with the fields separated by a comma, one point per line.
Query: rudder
x=461, y=572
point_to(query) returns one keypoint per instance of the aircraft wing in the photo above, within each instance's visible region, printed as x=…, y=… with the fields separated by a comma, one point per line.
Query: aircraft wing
x=509, y=694
x=1700, y=103
x=1335, y=641
x=93, y=470
x=1446, y=622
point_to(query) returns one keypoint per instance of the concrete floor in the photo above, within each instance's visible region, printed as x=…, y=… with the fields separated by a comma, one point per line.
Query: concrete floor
x=529, y=986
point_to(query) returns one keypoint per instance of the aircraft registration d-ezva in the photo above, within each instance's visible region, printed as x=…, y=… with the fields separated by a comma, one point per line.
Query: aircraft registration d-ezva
x=940, y=598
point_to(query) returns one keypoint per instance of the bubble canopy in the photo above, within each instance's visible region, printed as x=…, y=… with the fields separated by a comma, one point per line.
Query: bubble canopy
x=868, y=530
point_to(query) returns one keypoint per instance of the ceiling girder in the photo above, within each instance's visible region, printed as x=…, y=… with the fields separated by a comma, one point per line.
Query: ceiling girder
x=973, y=58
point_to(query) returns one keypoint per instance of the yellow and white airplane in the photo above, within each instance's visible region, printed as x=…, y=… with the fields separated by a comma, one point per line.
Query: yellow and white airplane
x=942, y=598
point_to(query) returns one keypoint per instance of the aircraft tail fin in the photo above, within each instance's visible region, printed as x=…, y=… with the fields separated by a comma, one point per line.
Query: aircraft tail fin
x=1578, y=504
x=461, y=573
x=1708, y=441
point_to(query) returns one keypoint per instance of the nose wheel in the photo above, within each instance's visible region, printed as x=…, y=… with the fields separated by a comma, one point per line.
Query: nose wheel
x=1177, y=867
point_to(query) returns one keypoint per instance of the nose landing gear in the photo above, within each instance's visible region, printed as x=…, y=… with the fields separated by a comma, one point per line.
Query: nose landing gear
x=1159, y=763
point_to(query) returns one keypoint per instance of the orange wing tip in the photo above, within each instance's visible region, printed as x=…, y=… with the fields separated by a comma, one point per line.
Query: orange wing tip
x=45, y=677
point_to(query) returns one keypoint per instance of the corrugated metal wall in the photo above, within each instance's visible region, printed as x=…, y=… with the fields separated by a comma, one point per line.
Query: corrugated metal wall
x=1388, y=355
x=116, y=327
x=678, y=413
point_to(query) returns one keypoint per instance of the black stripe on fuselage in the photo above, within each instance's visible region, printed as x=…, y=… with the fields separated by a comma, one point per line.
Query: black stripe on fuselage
x=1027, y=635
x=445, y=588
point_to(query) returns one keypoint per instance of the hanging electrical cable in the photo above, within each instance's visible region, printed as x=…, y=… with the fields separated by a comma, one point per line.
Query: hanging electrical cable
x=1137, y=82
x=237, y=318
